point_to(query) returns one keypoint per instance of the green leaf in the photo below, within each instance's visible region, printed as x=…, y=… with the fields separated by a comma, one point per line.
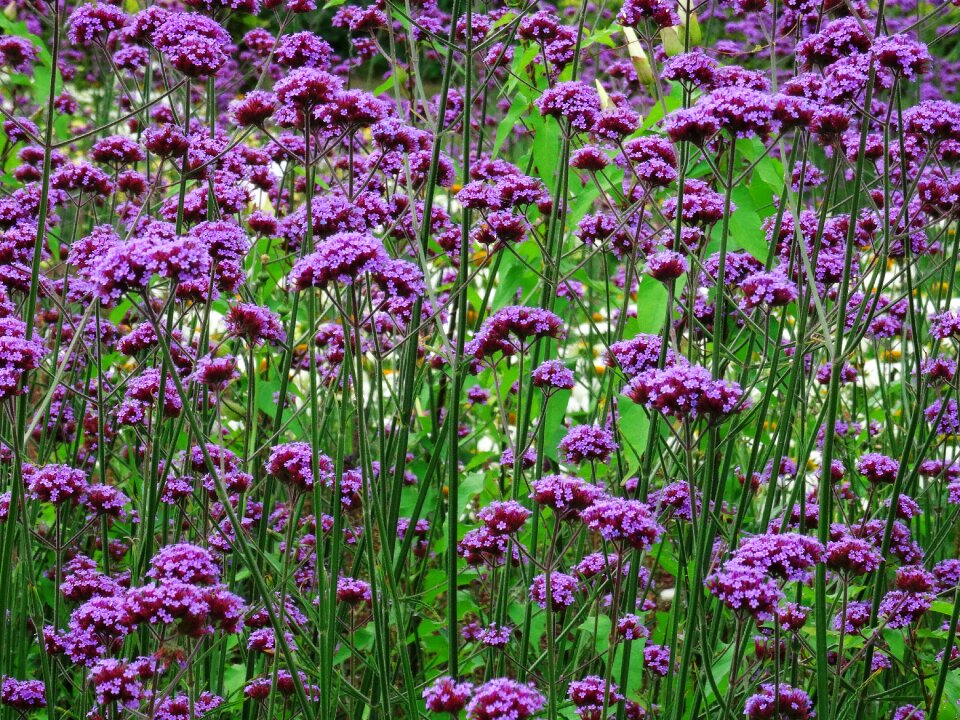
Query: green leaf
x=555, y=429
x=546, y=149
x=634, y=426
x=519, y=106
x=514, y=276
x=470, y=486
x=651, y=305
x=746, y=232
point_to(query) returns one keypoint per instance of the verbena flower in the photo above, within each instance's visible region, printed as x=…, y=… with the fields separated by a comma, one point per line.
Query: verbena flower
x=591, y=695
x=788, y=555
x=341, y=258
x=780, y=702
x=562, y=589
x=510, y=330
x=587, y=443
x=446, y=695
x=573, y=101
x=685, y=391
x=23, y=695
x=567, y=495
x=504, y=699
x=627, y=522
x=746, y=590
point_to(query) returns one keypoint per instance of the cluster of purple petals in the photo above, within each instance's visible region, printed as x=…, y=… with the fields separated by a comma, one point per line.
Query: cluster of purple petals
x=684, y=390
x=510, y=330
x=504, y=699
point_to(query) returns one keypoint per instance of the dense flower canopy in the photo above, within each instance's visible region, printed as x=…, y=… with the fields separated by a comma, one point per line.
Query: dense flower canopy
x=488, y=360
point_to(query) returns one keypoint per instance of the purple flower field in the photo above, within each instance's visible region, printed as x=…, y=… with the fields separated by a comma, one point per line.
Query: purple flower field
x=462, y=360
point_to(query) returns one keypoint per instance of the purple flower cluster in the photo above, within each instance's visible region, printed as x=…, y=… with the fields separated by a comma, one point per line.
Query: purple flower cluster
x=746, y=590
x=510, y=330
x=630, y=523
x=779, y=702
x=684, y=390
x=559, y=593
x=587, y=443
x=504, y=699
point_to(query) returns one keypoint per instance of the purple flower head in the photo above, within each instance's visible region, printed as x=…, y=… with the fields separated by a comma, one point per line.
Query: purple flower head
x=909, y=712
x=563, y=591
x=574, y=101
x=789, y=555
x=948, y=414
x=509, y=330
x=938, y=370
x=292, y=463
x=659, y=12
x=106, y=500
x=446, y=695
x=701, y=205
x=481, y=546
x=685, y=390
x=792, y=617
x=342, y=257
x=638, y=355
x=616, y=123
x=117, y=150
x=165, y=141
x=19, y=54
x=878, y=468
x=216, y=372
x=694, y=125
x=55, y=484
x=91, y=23
x=265, y=640
x=566, y=494
x=553, y=375
x=183, y=707
x=115, y=681
x=902, y=55
x=853, y=556
x=693, y=68
x=937, y=119
x=857, y=617
x=666, y=266
x=24, y=696
x=631, y=627
x=742, y=112
x=353, y=591
x=400, y=279
x=306, y=87
x=495, y=636
x=901, y=608
x=255, y=324
x=254, y=109
x=587, y=443
x=589, y=158
x=503, y=518
x=656, y=659
x=303, y=49
x=781, y=702
x=745, y=590
x=652, y=160
x=675, y=497
x=505, y=699
x=771, y=289
x=141, y=397
x=838, y=39
x=185, y=563
x=630, y=523
x=592, y=695
x=527, y=460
